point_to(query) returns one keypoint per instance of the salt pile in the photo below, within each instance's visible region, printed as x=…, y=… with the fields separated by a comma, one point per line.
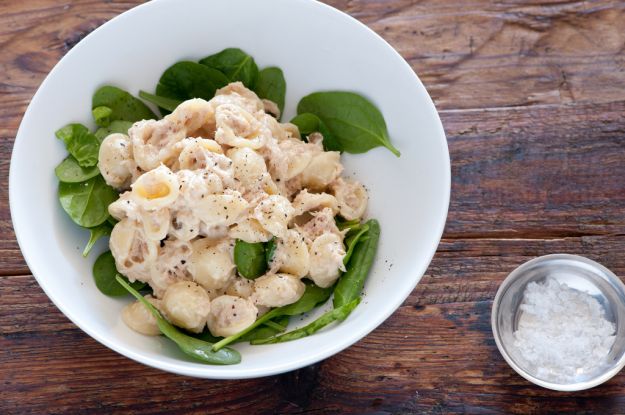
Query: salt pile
x=562, y=332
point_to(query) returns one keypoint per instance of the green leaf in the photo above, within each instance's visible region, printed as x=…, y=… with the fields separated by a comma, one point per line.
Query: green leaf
x=312, y=297
x=270, y=250
x=105, y=276
x=353, y=280
x=69, y=171
x=337, y=314
x=205, y=335
x=80, y=143
x=354, y=121
x=235, y=64
x=249, y=259
x=354, y=235
x=66, y=134
x=343, y=224
x=274, y=325
x=162, y=102
x=265, y=331
x=87, y=203
x=196, y=348
x=122, y=105
x=186, y=80
x=102, y=116
x=308, y=123
x=271, y=85
x=116, y=126
x=95, y=234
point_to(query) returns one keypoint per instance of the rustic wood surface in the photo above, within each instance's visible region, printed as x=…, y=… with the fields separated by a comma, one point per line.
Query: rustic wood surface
x=532, y=97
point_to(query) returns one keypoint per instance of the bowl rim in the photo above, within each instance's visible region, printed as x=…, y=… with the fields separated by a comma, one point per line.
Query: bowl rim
x=214, y=372
x=503, y=289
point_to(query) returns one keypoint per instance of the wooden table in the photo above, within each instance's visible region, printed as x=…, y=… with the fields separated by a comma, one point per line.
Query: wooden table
x=532, y=97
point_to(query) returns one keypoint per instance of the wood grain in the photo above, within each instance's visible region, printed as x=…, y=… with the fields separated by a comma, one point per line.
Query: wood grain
x=484, y=53
x=531, y=96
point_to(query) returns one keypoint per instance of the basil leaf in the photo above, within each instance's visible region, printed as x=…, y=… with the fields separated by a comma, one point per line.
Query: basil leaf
x=162, y=102
x=308, y=123
x=353, y=120
x=353, y=280
x=121, y=106
x=116, y=126
x=87, y=203
x=271, y=85
x=69, y=171
x=337, y=314
x=235, y=64
x=196, y=348
x=249, y=259
x=95, y=234
x=105, y=273
x=186, y=80
x=80, y=143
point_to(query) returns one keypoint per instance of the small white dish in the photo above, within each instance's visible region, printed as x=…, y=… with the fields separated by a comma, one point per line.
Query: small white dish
x=575, y=272
x=318, y=48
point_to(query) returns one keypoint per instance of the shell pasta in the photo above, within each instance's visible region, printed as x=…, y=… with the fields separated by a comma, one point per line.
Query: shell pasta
x=207, y=175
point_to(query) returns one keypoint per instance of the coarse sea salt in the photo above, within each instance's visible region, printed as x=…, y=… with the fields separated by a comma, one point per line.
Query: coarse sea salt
x=562, y=333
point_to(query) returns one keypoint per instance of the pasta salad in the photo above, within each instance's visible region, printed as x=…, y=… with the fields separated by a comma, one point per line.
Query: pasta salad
x=223, y=220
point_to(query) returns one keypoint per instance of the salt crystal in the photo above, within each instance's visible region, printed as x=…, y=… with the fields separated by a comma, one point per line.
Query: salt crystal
x=562, y=332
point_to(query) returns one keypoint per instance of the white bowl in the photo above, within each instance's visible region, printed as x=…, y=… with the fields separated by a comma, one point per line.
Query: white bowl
x=318, y=48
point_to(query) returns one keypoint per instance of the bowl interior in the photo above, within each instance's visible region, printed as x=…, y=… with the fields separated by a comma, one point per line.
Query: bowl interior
x=318, y=48
x=577, y=273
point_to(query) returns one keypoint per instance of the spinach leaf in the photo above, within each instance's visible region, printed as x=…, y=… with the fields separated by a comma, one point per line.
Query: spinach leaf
x=353, y=280
x=105, y=276
x=102, y=116
x=205, y=335
x=271, y=85
x=337, y=314
x=196, y=348
x=96, y=233
x=80, y=143
x=250, y=259
x=186, y=80
x=69, y=171
x=87, y=202
x=267, y=329
x=354, y=121
x=264, y=331
x=235, y=64
x=116, y=126
x=353, y=236
x=313, y=296
x=274, y=325
x=308, y=123
x=270, y=250
x=121, y=106
x=162, y=102
x=343, y=224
